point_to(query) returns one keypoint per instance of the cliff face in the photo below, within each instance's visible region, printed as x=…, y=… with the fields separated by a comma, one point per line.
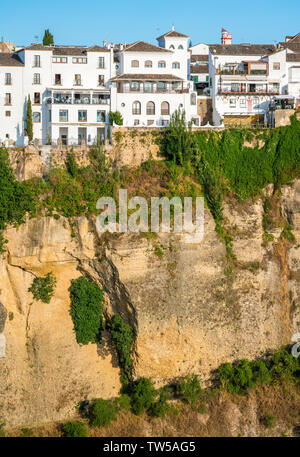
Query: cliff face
x=188, y=315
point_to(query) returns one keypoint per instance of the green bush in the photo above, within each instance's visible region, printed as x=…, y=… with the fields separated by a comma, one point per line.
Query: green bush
x=143, y=395
x=86, y=310
x=102, y=412
x=115, y=117
x=73, y=429
x=190, y=390
x=123, y=402
x=122, y=335
x=43, y=288
x=71, y=164
x=236, y=378
x=284, y=366
x=15, y=197
x=269, y=421
x=161, y=407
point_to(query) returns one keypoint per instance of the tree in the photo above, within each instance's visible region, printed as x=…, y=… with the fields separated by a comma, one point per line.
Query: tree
x=29, y=120
x=48, y=38
x=190, y=44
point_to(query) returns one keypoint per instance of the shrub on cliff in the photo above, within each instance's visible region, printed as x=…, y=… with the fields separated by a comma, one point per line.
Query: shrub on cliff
x=86, y=310
x=73, y=429
x=102, y=412
x=190, y=390
x=15, y=197
x=161, y=406
x=143, y=395
x=122, y=335
x=43, y=288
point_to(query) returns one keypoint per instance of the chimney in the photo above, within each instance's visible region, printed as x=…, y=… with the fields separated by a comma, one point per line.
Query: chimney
x=226, y=37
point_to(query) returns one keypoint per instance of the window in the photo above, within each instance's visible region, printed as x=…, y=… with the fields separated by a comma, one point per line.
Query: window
x=8, y=79
x=150, y=122
x=276, y=66
x=57, y=79
x=180, y=46
x=134, y=86
x=148, y=87
x=82, y=116
x=100, y=116
x=164, y=122
x=63, y=115
x=136, y=108
x=242, y=103
x=193, y=99
x=165, y=108
x=101, y=80
x=175, y=65
x=172, y=46
x=148, y=64
x=161, y=64
x=37, y=98
x=161, y=86
x=150, y=108
x=232, y=102
x=255, y=102
x=79, y=60
x=135, y=64
x=59, y=59
x=77, y=80
x=37, y=61
x=36, y=117
x=36, y=78
x=136, y=122
x=101, y=62
x=7, y=113
x=7, y=99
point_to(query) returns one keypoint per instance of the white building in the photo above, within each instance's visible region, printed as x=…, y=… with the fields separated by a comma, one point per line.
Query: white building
x=153, y=81
x=199, y=69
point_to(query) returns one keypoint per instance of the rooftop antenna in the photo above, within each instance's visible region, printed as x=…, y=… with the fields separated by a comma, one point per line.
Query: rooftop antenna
x=173, y=28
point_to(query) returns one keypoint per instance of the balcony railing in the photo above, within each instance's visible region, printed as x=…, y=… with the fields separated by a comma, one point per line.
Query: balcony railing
x=79, y=101
x=141, y=90
x=241, y=91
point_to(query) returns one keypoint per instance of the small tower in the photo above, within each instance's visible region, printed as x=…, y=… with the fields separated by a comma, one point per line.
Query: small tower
x=226, y=37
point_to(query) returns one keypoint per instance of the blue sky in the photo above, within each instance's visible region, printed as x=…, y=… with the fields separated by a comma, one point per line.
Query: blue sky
x=88, y=22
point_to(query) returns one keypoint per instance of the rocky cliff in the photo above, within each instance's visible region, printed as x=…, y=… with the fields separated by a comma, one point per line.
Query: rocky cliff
x=189, y=313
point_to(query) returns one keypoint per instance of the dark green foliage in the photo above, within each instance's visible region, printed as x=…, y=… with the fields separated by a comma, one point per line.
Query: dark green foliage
x=284, y=366
x=74, y=429
x=29, y=125
x=102, y=412
x=86, y=310
x=43, y=288
x=48, y=38
x=161, y=406
x=122, y=335
x=244, y=374
x=190, y=390
x=115, y=117
x=143, y=395
x=177, y=143
x=15, y=198
x=287, y=233
x=71, y=164
x=123, y=402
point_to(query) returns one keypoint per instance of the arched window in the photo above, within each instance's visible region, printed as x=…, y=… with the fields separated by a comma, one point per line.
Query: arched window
x=172, y=46
x=180, y=46
x=193, y=99
x=165, y=108
x=148, y=64
x=136, y=108
x=161, y=64
x=175, y=65
x=150, y=108
x=135, y=64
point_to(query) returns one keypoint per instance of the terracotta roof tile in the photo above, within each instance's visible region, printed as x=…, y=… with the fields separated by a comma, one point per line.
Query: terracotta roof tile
x=142, y=46
x=10, y=60
x=199, y=57
x=172, y=34
x=242, y=49
x=199, y=69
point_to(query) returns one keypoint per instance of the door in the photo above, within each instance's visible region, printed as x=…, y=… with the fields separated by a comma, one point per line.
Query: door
x=81, y=135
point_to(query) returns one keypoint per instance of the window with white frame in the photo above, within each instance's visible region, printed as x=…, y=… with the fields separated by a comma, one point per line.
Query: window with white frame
x=101, y=62
x=79, y=60
x=8, y=79
x=135, y=64
x=136, y=108
x=232, y=102
x=36, y=117
x=82, y=116
x=161, y=64
x=37, y=61
x=148, y=64
x=176, y=65
x=59, y=59
x=242, y=103
x=36, y=78
x=63, y=115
